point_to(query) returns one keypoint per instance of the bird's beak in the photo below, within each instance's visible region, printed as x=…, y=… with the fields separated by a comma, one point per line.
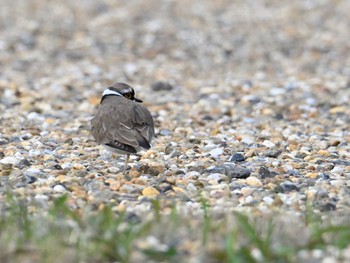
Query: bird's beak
x=137, y=100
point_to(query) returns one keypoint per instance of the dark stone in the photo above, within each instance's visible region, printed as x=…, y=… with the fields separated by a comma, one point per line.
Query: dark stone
x=272, y=153
x=58, y=167
x=132, y=218
x=265, y=172
x=165, y=187
x=3, y=141
x=322, y=194
x=237, y=157
x=23, y=163
x=328, y=207
x=161, y=85
x=2, y=155
x=15, y=139
x=301, y=155
x=340, y=162
x=175, y=154
x=286, y=187
x=278, y=116
x=293, y=172
x=194, y=141
x=324, y=176
x=146, y=169
x=207, y=118
x=30, y=179
x=25, y=137
x=169, y=148
x=69, y=141
x=231, y=171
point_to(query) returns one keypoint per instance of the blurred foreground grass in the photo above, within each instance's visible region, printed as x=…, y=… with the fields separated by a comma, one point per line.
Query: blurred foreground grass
x=62, y=234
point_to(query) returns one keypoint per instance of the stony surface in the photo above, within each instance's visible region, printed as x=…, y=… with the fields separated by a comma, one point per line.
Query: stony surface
x=250, y=102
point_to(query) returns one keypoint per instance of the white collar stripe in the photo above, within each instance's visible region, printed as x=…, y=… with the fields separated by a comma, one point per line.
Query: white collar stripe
x=110, y=92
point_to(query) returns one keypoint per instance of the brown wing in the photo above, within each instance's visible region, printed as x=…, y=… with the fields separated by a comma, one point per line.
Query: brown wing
x=127, y=122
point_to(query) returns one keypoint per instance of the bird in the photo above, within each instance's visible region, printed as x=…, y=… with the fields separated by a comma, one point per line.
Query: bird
x=121, y=123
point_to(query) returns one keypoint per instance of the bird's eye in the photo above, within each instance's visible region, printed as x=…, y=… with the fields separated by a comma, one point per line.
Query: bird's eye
x=128, y=96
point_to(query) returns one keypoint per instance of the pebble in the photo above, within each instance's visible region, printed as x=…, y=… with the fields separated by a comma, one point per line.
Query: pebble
x=253, y=181
x=150, y=192
x=286, y=187
x=59, y=188
x=269, y=144
x=191, y=188
x=264, y=172
x=246, y=191
x=268, y=200
x=23, y=163
x=161, y=85
x=216, y=152
x=231, y=171
x=9, y=160
x=237, y=157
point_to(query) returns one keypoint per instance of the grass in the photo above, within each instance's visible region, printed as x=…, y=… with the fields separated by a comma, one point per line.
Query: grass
x=63, y=234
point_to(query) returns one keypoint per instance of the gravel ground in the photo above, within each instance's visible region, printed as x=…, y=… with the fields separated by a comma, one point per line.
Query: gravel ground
x=250, y=101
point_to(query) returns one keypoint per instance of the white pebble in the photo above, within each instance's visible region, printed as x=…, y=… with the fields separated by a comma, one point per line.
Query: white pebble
x=268, y=200
x=216, y=152
x=9, y=160
x=337, y=170
x=66, y=165
x=59, y=188
x=269, y=144
x=191, y=187
x=215, y=176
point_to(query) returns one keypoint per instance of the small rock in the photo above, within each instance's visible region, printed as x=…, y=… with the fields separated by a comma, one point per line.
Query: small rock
x=312, y=175
x=165, y=132
x=30, y=179
x=328, y=207
x=33, y=172
x=237, y=157
x=78, y=166
x=337, y=170
x=216, y=152
x=272, y=153
x=268, y=200
x=152, y=169
x=194, y=140
x=324, y=153
x=253, y=181
x=9, y=160
x=102, y=195
x=231, y=171
x=169, y=148
x=265, y=172
x=161, y=85
x=113, y=170
x=286, y=187
x=246, y=191
x=214, y=176
x=23, y=163
x=64, y=178
x=59, y=188
x=150, y=192
x=269, y=144
x=191, y=188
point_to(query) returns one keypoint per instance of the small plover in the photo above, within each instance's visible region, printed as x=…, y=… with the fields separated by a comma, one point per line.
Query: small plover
x=121, y=123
